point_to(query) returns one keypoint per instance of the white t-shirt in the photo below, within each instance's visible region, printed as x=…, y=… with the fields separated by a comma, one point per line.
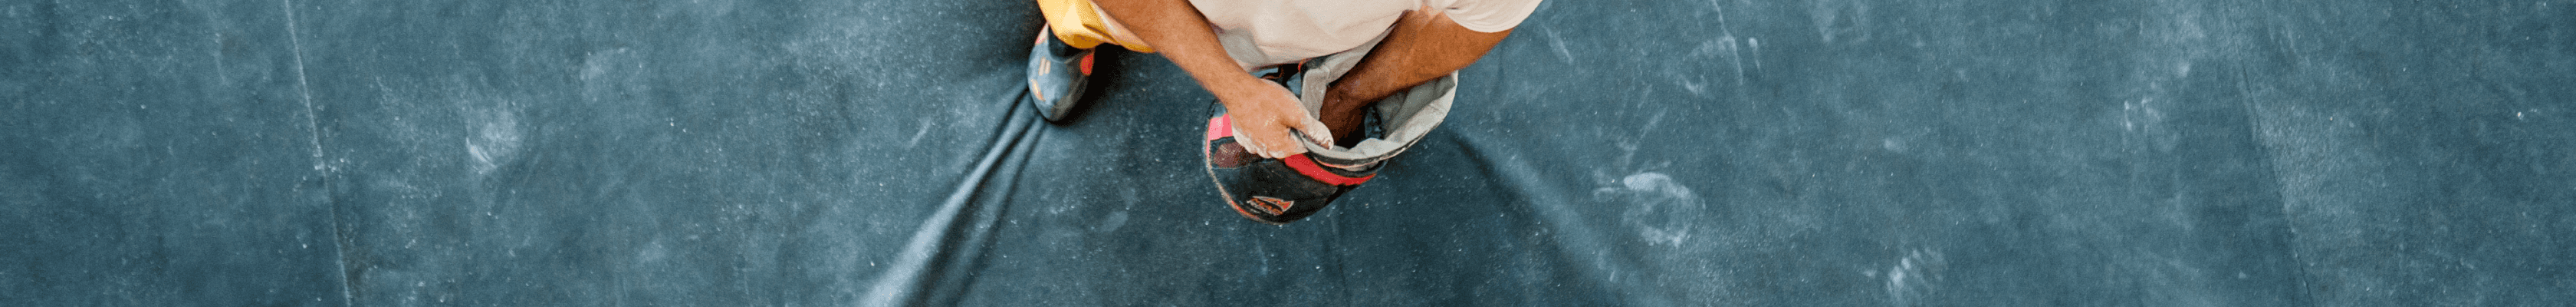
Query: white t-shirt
x=1285, y=31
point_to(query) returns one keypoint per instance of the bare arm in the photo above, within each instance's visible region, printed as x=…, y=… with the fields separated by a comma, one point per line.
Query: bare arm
x=1424, y=45
x=1263, y=113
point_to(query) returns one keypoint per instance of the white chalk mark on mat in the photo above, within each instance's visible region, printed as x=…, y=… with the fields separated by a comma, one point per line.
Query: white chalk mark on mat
x=496, y=138
x=1912, y=276
x=917, y=133
x=1559, y=44
x=1658, y=208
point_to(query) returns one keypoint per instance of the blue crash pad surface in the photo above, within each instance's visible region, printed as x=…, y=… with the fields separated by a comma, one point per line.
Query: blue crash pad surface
x=1615, y=152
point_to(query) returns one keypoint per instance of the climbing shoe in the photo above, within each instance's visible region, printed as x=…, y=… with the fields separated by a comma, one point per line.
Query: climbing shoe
x=1057, y=75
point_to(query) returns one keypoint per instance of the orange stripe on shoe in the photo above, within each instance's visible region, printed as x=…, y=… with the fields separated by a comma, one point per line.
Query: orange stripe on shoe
x=1086, y=62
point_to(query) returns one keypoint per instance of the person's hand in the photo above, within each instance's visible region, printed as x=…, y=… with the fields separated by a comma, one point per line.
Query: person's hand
x=1264, y=116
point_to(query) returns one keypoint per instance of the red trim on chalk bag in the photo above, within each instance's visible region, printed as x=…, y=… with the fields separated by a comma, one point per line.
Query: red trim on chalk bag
x=1307, y=166
x=1220, y=127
